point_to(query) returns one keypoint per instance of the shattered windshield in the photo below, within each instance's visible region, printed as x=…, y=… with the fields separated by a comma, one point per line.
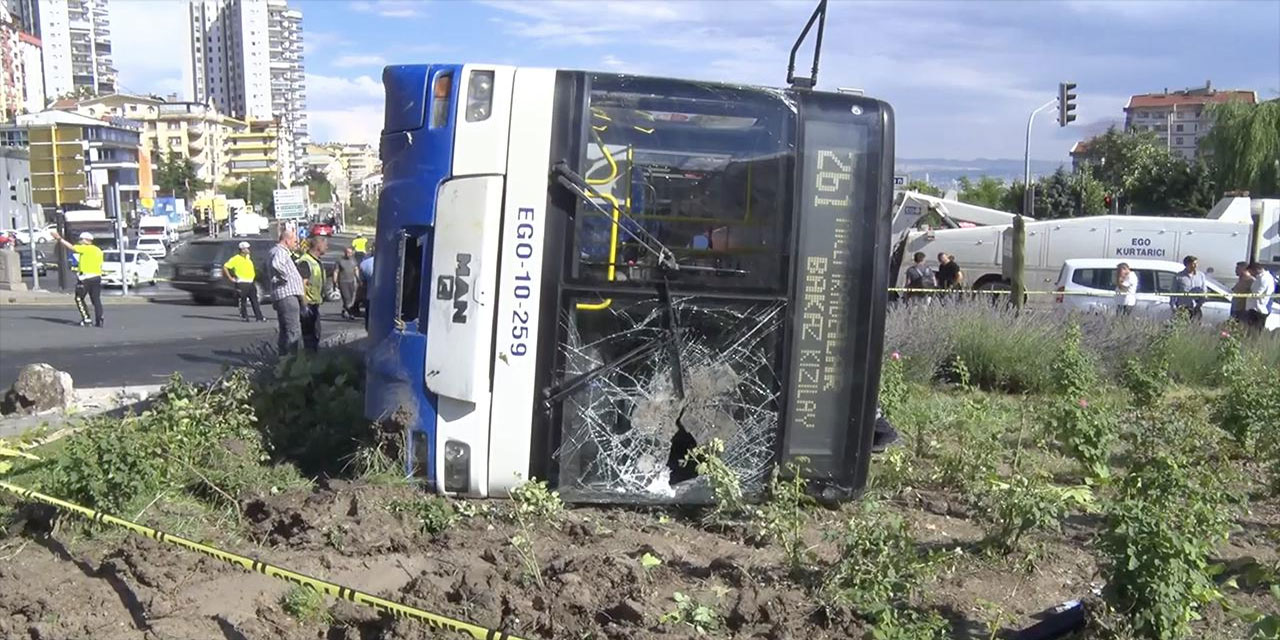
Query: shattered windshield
x=704, y=169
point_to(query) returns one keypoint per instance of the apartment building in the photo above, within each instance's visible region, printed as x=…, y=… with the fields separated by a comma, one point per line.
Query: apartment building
x=187, y=129
x=23, y=55
x=247, y=61
x=12, y=73
x=325, y=161
x=102, y=151
x=1179, y=117
x=75, y=40
x=255, y=151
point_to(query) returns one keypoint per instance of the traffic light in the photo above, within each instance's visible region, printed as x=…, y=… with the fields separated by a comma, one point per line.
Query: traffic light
x=1066, y=103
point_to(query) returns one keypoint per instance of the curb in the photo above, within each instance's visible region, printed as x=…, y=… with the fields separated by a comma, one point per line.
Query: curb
x=65, y=299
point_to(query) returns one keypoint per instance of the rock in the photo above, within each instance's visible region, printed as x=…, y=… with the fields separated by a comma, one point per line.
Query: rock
x=39, y=387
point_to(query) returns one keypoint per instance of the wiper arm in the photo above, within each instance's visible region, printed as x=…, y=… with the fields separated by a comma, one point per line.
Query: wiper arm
x=569, y=179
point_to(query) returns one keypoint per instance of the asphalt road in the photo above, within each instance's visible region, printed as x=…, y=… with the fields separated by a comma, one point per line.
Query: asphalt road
x=143, y=342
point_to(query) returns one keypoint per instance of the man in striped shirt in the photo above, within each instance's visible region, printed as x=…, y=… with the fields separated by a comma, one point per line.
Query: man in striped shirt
x=286, y=291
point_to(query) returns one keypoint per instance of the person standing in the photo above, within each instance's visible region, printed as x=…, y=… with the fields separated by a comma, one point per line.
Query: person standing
x=286, y=292
x=1188, y=290
x=345, y=276
x=920, y=276
x=89, y=276
x=1258, y=308
x=312, y=273
x=1126, y=289
x=366, y=285
x=241, y=272
x=360, y=245
x=1240, y=291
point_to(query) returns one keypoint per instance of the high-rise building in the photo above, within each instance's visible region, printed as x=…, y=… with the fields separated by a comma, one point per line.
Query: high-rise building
x=247, y=61
x=75, y=40
x=1179, y=117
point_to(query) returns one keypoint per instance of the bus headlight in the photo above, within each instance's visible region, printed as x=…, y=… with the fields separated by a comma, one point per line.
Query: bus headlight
x=457, y=466
x=479, y=96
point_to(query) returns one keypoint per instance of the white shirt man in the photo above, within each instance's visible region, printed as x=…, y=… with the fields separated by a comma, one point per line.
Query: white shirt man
x=1258, y=306
x=1126, y=289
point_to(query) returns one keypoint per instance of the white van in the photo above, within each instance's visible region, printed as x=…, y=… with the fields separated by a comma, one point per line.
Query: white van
x=1088, y=284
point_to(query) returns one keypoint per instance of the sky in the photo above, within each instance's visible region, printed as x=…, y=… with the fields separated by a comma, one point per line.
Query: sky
x=961, y=75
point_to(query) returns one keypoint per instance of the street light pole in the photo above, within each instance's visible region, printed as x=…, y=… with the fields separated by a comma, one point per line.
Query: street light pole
x=1027, y=200
x=31, y=237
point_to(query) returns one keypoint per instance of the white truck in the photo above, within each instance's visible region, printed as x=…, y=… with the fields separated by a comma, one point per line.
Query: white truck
x=158, y=228
x=1238, y=228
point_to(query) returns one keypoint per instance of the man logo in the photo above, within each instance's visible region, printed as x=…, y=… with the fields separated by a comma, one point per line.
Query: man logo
x=456, y=288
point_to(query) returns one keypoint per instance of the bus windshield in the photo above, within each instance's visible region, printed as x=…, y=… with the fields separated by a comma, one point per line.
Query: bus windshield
x=703, y=169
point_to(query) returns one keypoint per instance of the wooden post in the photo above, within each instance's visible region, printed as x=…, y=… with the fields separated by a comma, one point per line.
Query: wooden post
x=1018, y=268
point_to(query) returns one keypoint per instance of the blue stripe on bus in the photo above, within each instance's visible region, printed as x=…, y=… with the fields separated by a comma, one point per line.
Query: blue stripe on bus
x=415, y=161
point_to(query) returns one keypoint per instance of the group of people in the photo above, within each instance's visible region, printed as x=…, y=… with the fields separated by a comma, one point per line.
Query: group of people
x=298, y=285
x=926, y=280
x=1250, y=301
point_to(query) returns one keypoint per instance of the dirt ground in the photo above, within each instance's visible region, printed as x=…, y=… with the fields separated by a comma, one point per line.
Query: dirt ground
x=63, y=585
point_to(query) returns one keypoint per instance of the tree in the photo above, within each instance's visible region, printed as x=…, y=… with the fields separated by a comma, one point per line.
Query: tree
x=318, y=185
x=920, y=186
x=176, y=176
x=1245, y=146
x=1139, y=168
x=361, y=212
x=986, y=192
x=263, y=192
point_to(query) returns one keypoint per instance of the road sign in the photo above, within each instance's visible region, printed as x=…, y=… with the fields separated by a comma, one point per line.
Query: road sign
x=291, y=203
x=900, y=179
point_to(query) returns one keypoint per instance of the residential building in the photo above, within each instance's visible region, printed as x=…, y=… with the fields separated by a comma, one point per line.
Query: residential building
x=325, y=161
x=371, y=187
x=75, y=36
x=108, y=150
x=30, y=50
x=358, y=160
x=247, y=61
x=1179, y=117
x=12, y=76
x=16, y=207
x=188, y=129
x=255, y=151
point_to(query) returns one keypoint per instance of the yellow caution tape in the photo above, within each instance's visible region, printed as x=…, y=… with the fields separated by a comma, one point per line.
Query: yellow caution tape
x=393, y=609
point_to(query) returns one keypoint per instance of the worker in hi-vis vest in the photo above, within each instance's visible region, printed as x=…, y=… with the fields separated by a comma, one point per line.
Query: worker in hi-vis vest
x=312, y=291
x=240, y=271
x=89, y=277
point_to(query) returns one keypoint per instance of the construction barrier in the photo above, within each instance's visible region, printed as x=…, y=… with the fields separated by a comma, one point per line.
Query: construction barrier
x=393, y=609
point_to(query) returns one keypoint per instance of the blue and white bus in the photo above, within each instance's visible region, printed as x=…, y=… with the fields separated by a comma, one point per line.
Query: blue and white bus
x=579, y=276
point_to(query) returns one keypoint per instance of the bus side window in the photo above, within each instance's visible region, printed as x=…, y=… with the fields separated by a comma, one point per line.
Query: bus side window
x=409, y=275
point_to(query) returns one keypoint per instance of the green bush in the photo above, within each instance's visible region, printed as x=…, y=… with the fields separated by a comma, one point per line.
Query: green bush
x=1074, y=372
x=893, y=386
x=1249, y=407
x=1087, y=431
x=178, y=442
x=1025, y=502
x=311, y=410
x=434, y=514
x=1169, y=513
x=785, y=515
x=878, y=567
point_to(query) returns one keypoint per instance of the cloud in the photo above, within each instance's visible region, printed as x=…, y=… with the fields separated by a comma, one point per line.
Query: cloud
x=353, y=124
x=357, y=60
x=324, y=91
x=141, y=29
x=313, y=42
x=390, y=8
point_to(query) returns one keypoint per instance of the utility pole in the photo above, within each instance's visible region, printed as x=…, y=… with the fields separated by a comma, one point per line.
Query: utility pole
x=31, y=229
x=111, y=203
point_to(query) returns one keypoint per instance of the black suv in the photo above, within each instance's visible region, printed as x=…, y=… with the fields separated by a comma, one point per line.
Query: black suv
x=197, y=268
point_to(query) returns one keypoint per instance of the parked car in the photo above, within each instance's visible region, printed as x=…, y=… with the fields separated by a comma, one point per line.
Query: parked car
x=197, y=268
x=152, y=246
x=7, y=239
x=1088, y=284
x=43, y=235
x=24, y=258
x=321, y=229
x=138, y=268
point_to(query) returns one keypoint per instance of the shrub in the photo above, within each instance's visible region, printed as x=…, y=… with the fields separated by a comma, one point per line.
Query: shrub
x=893, y=386
x=306, y=605
x=1029, y=501
x=311, y=410
x=1170, y=511
x=1249, y=407
x=114, y=463
x=1074, y=371
x=701, y=618
x=434, y=514
x=726, y=486
x=878, y=567
x=784, y=515
x=1085, y=430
